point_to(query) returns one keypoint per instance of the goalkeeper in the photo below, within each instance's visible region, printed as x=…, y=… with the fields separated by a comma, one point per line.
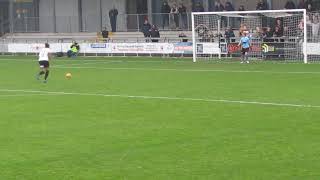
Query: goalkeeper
x=245, y=46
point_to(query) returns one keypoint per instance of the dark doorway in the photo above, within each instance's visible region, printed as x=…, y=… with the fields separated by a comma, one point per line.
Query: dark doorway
x=4, y=17
x=137, y=11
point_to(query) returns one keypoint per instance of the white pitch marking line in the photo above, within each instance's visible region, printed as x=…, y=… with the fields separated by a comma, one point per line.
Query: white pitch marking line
x=167, y=98
x=112, y=62
x=104, y=61
x=185, y=70
x=24, y=95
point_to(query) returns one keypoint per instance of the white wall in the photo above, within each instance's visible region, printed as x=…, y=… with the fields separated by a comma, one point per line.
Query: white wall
x=67, y=15
x=91, y=15
x=46, y=21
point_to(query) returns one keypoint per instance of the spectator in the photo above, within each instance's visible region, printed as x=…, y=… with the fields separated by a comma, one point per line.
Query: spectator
x=183, y=37
x=165, y=10
x=241, y=8
x=105, y=33
x=228, y=6
x=269, y=32
x=74, y=49
x=259, y=33
x=309, y=7
x=154, y=33
x=75, y=45
x=145, y=29
x=113, y=14
x=229, y=34
x=262, y=5
x=279, y=24
x=315, y=26
x=277, y=32
x=290, y=5
x=175, y=15
x=278, y=28
x=183, y=16
x=267, y=35
x=198, y=7
x=302, y=4
x=218, y=6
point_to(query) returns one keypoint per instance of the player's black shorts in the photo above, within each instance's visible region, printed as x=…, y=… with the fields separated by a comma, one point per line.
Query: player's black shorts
x=44, y=64
x=244, y=50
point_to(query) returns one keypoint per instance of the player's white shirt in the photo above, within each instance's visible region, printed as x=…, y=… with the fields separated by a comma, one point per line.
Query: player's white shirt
x=44, y=54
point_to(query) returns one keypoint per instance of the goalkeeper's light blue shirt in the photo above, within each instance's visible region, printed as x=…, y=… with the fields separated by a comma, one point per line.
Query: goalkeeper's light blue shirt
x=245, y=42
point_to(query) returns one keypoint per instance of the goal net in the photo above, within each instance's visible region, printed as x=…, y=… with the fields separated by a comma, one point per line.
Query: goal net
x=280, y=35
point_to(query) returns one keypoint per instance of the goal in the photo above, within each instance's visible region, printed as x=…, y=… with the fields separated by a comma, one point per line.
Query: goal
x=280, y=35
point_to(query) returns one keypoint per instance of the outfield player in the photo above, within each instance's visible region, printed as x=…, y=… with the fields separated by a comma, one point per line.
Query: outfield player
x=245, y=46
x=44, y=58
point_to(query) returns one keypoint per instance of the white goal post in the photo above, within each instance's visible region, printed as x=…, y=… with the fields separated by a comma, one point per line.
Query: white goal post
x=209, y=41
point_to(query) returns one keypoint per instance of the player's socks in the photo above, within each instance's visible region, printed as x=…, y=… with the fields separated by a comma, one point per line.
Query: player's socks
x=247, y=59
x=46, y=76
x=39, y=74
x=242, y=59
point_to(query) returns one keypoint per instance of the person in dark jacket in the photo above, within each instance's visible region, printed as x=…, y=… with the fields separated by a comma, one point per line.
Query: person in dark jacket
x=290, y=5
x=113, y=14
x=183, y=37
x=198, y=7
x=175, y=14
x=154, y=33
x=183, y=16
x=105, y=33
x=262, y=5
x=229, y=33
x=302, y=4
x=309, y=7
x=241, y=8
x=228, y=6
x=165, y=10
x=145, y=29
x=218, y=6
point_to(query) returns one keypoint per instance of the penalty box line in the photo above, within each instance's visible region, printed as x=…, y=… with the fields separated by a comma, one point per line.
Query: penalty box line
x=164, y=98
x=182, y=70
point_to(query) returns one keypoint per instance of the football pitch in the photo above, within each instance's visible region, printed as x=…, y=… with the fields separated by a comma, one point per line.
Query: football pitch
x=155, y=118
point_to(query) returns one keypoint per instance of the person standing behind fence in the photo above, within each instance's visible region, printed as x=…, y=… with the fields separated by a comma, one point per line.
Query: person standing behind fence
x=218, y=6
x=315, y=24
x=183, y=16
x=113, y=14
x=198, y=7
x=290, y=5
x=175, y=15
x=165, y=10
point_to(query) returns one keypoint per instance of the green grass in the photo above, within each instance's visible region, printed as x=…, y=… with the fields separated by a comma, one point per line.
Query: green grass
x=87, y=135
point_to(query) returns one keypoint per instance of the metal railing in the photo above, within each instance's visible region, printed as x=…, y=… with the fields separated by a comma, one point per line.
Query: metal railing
x=91, y=23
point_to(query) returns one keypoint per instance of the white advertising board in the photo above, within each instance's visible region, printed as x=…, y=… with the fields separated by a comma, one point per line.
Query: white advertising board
x=126, y=48
x=208, y=48
x=313, y=48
